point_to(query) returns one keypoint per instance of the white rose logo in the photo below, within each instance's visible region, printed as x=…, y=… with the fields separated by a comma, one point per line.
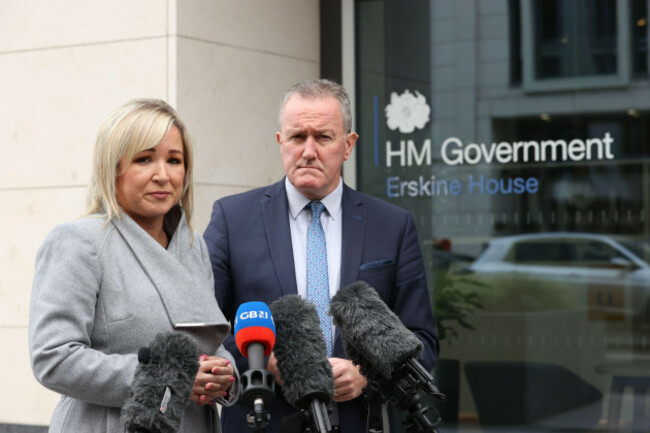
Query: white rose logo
x=407, y=112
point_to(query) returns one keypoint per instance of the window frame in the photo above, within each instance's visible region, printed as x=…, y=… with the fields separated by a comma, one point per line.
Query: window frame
x=623, y=56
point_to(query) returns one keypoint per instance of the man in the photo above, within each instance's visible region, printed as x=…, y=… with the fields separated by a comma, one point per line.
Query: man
x=259, y=244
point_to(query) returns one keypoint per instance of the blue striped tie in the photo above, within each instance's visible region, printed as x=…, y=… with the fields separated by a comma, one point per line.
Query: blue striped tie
x=317, y=278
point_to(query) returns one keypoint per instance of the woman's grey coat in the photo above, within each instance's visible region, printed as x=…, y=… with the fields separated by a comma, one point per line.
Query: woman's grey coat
x=102, y=291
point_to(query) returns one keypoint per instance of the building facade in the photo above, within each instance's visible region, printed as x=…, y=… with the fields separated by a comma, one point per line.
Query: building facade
x=65, y=65
x=516, y=131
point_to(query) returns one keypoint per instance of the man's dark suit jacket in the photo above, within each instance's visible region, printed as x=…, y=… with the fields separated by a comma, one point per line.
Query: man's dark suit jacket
x=249, y=241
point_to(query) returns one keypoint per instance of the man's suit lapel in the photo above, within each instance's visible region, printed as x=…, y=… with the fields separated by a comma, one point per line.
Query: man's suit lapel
x=353, y=234
x=275, y=213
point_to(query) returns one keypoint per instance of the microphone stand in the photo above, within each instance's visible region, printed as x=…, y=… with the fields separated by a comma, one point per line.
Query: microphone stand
x=312, y=418
x=318, y=416
x=375, y=401
x=404, y=391
x=258, y=393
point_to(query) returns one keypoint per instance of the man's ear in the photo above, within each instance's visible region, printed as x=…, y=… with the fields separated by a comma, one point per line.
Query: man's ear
x=350, y=141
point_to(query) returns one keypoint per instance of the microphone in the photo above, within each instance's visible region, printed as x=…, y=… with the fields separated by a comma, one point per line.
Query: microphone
x=301, y=355
x=386, y=351
x=255, y=337
x=162, y=385
x=380, y=342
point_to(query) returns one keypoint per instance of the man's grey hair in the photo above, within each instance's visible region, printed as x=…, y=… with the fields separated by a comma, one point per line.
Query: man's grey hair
x=321, y=88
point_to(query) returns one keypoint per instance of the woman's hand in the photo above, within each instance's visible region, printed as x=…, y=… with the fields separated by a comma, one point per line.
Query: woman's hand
x=213, y=379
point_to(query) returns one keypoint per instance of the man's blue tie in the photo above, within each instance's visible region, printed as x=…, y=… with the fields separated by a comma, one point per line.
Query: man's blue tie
x=317, y=278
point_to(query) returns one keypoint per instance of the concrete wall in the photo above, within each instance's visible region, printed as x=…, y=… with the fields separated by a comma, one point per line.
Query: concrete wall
x=65, y=65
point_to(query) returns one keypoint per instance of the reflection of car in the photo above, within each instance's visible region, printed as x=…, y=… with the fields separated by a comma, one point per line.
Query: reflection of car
x=564, y=253
x=614, y=271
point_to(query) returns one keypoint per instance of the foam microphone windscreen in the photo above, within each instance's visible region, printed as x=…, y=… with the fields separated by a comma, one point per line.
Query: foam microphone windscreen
x=373, y=336
x=162, y=385
x=301, y=352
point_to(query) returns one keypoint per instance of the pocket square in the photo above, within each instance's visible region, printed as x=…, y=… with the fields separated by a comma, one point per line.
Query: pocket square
x=376, y=264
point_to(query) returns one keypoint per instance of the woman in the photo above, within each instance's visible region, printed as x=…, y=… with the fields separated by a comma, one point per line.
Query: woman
x=108, y=283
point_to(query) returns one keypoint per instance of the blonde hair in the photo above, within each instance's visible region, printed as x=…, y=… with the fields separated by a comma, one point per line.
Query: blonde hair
x=135, y=126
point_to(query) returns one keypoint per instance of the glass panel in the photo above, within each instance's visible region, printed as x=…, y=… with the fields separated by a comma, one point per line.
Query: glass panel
x=514, y=23
x=531, y=207
x=639, y=26
x=575, y=38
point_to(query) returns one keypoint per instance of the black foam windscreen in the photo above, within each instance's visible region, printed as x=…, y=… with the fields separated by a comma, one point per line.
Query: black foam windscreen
x=162, y=385
x=301, y=352
x=373, y=336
